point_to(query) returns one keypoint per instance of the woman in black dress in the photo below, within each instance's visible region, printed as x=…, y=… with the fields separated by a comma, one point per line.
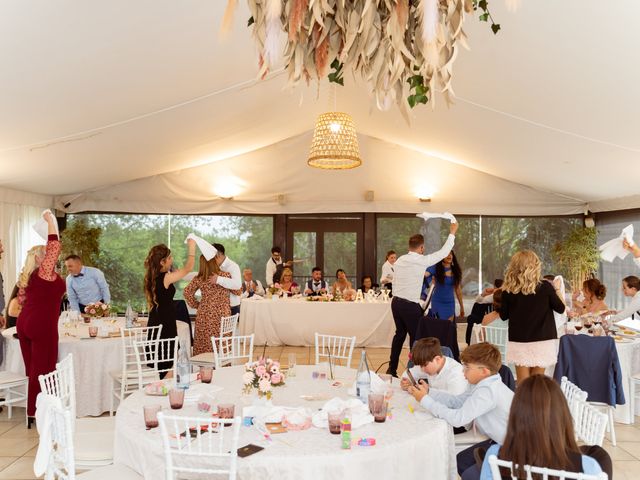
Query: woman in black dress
x=159, y=289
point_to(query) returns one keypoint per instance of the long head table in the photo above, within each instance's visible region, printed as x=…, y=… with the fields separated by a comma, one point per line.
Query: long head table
x=93, y=359
x=295, y=321
x=410, y=445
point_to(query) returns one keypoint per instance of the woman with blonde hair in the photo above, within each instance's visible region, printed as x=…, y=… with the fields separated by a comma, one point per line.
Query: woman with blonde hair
x=159, y=289
x=528, y=303
x=213, y=305
x=39, y=295
x=286, y=281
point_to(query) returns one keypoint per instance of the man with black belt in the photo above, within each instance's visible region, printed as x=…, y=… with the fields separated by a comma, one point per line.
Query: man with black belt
x=407, y=286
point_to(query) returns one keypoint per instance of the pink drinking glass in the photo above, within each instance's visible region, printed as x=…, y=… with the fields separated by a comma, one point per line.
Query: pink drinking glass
x=176, y=398
x=151, y=415
x=206, y=374
x=226, y=410
x=93, y=331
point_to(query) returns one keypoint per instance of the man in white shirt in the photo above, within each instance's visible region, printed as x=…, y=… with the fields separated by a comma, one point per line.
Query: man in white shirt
x=233, y=284
x=442, y=373
x=407, y=287
x=250, y=287
x=272, y=265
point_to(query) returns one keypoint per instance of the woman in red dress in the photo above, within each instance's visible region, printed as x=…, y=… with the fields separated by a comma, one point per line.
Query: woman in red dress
x=41, y=290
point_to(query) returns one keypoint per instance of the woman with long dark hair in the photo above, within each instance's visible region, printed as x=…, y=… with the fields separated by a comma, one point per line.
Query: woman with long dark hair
x=159, y=289
x=540, y=434
x=448, y=277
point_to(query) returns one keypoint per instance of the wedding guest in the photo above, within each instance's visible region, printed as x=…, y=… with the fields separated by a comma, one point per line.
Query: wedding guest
x=234, y=283
x=635, y=250
x=316, y=285
x=286, y=282
x=486, y=296
x=408, y=274
x=448, y=277
x=593, y=294
x=85, y=285
x=213, y=305
x=159, y=289
x=540, y=433
x=13, y=308
x=40, y=292
x=367, y=284
x=529, y=302
x=493, y=318
x=272, y=264
x=386, y=277
x=486, y=402
x=342, y=284
x=3, y=321
x=250, y=287
x=442, y=373
x=630, y=288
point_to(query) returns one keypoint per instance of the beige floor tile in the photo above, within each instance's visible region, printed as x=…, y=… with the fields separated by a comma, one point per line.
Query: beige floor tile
x=21, y=431
x=626, y=433
x=633, y=448
x=16, y=447
x=617, y=453
x=6, y=426
x=32, y=452
x=21, y=469
x=626, y=470
x=6, y=461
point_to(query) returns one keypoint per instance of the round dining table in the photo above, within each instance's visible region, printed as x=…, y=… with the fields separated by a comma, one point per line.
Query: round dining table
x=411, y=444
x=93, y=359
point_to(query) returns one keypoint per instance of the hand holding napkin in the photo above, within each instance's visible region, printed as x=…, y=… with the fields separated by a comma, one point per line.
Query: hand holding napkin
x=41, y=227
x=428, y=216
x=208, y=250
x=613, y=248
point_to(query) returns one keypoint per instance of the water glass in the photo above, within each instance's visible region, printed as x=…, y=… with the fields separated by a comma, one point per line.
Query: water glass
x=151, y=415
x=176, y=398
x=206, y=374
x=378, y=407
x=335, y=420
x=226, y=410
x=292, y=360
x=93, y=331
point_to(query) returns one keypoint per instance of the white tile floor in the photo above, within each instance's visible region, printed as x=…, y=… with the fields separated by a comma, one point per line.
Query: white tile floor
x=18, y=445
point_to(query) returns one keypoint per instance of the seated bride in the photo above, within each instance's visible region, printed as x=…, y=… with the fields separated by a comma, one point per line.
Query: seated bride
x=342, y=286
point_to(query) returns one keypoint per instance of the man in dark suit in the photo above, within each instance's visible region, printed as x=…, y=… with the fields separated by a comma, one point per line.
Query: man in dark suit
x=316, y=286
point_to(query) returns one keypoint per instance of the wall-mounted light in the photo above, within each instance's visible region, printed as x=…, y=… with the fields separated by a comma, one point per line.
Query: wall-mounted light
x=282, y=199
x=369, y=195
x=228, y=187
x=424, y=192
x=589, y=221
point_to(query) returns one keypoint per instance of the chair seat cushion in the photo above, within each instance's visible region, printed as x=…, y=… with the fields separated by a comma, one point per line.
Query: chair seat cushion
x=111, y=472
x=93, y=446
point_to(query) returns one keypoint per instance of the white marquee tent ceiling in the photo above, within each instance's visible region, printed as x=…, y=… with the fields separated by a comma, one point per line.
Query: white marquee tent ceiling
x=97, y=95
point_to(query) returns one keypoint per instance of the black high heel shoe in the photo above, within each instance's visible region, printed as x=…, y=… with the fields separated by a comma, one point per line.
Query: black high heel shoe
x=30, y=421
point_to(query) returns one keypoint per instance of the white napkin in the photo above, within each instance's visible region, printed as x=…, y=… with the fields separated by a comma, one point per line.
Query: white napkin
x=429, y=216
x=208, y=250
x=613, y=248
x=630, y=323
x=42, y=228
x=44, y=421
x=560, y=318
x=360, y=414
x=267, y=413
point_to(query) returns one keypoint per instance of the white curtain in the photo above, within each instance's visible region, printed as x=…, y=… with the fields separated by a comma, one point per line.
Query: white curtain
x=18, y=211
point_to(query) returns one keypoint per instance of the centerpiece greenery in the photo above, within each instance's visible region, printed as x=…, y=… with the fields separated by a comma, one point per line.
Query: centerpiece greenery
x=577, y=256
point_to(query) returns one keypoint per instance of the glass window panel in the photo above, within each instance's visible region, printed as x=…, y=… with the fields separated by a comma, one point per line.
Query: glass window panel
x=341, y=251
x=609, y=226
x=304, y=254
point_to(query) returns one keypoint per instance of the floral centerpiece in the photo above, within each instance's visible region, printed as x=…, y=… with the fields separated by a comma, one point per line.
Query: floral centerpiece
x=262, y=375
x=275, y=290
x=97, y=310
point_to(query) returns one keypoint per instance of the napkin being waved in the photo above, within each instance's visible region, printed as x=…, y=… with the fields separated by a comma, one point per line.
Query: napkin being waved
x=613, y=248
x=360, y=414
x=42, y=228
x=428, y=216
x=208, y=250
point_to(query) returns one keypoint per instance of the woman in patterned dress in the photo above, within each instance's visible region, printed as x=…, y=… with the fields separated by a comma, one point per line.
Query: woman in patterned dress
x=213, y=305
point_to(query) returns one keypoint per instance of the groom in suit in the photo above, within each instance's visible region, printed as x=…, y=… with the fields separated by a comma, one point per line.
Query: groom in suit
x=316, y=286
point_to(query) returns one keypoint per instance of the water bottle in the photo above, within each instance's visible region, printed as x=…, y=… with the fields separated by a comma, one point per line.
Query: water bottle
x=363, y=379
x=184, y=369
x=129, y=315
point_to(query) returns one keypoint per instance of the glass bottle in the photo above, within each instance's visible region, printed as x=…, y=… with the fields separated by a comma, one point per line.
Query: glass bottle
x=363, y=379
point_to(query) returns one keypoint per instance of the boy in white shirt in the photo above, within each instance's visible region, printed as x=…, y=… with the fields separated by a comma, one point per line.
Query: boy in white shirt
x=486, y=402
x=442, y=373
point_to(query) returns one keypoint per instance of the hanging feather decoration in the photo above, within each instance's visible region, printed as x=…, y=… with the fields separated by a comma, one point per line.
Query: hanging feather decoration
x=429, y=15
x=227, y=19
x=271, y=52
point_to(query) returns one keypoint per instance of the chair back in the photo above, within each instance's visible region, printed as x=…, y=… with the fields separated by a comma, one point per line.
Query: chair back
x=61, y=465
x=129, y=376
x=61, y=384
x=228, y=325
x=496, y=336
x=590, y=422
x=334, y=347
x=541, y=473
x=200, y=445
x=573, y=394
x=229, y=350
x=150, y=357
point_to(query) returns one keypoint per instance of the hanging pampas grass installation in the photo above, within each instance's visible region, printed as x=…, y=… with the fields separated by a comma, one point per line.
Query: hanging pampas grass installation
x=402, y=50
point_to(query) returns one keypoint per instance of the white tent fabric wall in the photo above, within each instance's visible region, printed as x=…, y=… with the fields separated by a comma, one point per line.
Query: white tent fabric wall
x=18, y=212
x=394, y=173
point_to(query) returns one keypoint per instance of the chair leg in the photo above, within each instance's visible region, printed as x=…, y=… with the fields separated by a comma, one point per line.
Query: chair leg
x=632, y=394
x=113, y=393
x=612, y=430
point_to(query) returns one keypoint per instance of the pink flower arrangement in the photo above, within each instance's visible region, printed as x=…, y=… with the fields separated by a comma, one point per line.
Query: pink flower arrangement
x=97, y=310
x=262, y=375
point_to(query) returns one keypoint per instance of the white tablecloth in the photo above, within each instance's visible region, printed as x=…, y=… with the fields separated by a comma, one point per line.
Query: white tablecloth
x=294, y=322
x=409, y=446
x=93, y=359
